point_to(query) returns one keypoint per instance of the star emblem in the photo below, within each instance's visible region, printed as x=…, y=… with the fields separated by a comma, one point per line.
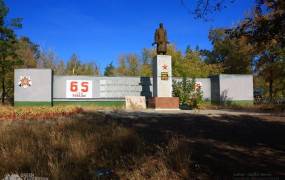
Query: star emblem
x=164, y=67
x=25, y=81
x=198, y=85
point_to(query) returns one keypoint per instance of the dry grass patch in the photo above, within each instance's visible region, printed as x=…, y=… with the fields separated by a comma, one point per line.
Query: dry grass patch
x=76, y=147
x=66, y=148
x=73, y=143
x=37, y=113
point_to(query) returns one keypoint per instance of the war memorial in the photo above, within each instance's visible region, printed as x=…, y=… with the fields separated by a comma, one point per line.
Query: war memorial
x=41, y=87
x=103, y=90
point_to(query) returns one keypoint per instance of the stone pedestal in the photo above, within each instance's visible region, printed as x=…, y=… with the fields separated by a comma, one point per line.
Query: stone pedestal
x=164, y=103
x=162, y=84
x=135, y=102
x=162, y=76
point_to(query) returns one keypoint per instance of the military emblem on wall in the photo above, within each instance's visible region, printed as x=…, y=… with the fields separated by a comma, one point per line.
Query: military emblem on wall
x=164, y=76
x=25, y=82
x=164, y=73
x=198, y=85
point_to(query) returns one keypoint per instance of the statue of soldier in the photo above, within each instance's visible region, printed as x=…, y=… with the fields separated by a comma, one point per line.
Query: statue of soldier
x=160, y=39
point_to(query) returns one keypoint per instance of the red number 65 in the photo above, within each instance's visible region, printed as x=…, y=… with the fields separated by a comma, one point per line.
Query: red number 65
x=84, y=86
x=73, y=86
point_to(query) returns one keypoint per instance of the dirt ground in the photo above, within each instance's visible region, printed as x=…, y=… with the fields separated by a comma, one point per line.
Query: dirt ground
x=200, y=144
x=222, y=142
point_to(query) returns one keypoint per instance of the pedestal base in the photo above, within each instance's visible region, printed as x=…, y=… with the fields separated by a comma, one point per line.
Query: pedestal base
x=171, y=103
x=162, y=76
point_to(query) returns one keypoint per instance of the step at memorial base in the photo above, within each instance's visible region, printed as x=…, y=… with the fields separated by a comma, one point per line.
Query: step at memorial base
x=171, y=103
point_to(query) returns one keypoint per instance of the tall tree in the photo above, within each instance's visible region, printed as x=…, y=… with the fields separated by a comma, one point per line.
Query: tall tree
x=129, y=65
x=73, y=65
x=133, y=65
x=190, y=64
x=96, y=70
x=8, y=45
x=234, y=54
x=147, y=58
x=89, y=69
x=265, y=30
x=122, y=69
x=109, y=70
x=193, y=66
x=177, y=59
x=28, y=52
x=47, y=59
x=270, y=66
x=60, y=68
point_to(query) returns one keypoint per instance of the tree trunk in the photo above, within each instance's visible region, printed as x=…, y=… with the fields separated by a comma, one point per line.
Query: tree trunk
x=3, y=89
x=271, y=86
x=271, y=89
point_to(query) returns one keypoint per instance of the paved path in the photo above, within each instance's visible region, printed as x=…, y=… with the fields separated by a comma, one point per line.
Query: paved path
x=151, y=113
x=200, y=112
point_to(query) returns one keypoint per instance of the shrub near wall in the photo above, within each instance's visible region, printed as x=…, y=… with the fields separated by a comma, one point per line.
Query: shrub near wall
x=189, y=93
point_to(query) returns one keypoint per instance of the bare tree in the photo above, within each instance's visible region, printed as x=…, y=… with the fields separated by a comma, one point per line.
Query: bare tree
x=203, y=8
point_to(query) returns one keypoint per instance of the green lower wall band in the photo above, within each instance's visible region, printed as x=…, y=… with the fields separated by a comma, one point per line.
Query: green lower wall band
x=234, y=102
x=79, y=103
x=86, y=103
x=28, y=103
x=112, y=103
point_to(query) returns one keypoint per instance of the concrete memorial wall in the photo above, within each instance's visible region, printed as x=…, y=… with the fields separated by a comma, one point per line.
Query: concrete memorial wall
x=235, y=89
x=96, y=88
x=33, y=87
x=39, y=86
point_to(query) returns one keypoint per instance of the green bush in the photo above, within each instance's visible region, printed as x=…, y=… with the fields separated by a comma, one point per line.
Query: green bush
x=189, y=93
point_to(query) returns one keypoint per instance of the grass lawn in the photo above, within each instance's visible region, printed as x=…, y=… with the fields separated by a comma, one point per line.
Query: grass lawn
x=74, y=143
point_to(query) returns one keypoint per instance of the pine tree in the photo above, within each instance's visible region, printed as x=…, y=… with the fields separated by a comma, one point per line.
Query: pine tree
x=8, y=45
x=109, y=70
